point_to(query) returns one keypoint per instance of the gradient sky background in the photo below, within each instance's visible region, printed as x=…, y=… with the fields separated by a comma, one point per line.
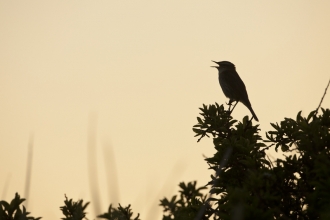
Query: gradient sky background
x=135, y=73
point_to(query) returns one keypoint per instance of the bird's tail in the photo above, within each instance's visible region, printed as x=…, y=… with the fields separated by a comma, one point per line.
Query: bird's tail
x=253, y=114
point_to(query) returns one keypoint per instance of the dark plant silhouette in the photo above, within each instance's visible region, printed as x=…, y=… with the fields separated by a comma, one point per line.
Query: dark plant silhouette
x=12, y=210
x=73, y=210
x=120, y=213
x=246, y=184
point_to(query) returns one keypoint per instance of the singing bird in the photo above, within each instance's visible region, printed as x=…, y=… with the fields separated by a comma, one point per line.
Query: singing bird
x=232, y=85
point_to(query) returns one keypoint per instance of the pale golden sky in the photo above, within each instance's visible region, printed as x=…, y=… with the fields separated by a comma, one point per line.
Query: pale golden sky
x=142, y=70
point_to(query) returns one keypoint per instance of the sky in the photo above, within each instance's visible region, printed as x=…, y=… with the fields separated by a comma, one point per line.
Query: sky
x=128, y=77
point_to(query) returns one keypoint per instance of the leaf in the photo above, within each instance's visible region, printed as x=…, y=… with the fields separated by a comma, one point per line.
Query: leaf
x=198, y=131
x=199, y=120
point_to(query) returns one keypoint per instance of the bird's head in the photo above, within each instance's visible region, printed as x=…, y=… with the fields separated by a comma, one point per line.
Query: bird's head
x=224, y=64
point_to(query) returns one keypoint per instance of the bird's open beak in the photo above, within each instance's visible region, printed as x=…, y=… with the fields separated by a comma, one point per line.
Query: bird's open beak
x=216, y=63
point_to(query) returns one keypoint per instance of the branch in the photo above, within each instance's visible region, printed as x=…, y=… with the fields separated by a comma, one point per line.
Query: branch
x=322, y=98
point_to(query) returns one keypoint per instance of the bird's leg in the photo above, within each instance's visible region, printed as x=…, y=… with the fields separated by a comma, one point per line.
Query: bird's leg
x=233, y=107
x=229, y=104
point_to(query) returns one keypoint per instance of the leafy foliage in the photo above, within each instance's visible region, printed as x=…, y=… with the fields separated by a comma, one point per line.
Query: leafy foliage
x=119, y=214
x=73, y=210
x=189, y=205
x=305, y=173
x=13, y=211
x=247, y=185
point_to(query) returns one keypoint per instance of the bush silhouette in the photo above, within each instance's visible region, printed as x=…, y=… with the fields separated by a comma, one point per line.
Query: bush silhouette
x=246, y=184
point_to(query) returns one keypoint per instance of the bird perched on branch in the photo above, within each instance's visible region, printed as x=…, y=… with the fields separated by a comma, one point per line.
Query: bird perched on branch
x=232, y=85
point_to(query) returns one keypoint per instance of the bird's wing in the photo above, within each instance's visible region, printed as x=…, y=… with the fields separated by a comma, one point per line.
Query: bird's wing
x=238, y=86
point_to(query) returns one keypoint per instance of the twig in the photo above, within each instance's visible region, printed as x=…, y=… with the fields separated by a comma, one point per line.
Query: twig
x=203, y=135
x=322, y=98
x=271, y=163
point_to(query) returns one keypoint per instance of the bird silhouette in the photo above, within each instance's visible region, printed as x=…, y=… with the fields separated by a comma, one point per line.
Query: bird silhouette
x=232, y=85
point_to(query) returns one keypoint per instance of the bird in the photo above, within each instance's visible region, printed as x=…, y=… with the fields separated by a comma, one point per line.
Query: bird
x=232, y=85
